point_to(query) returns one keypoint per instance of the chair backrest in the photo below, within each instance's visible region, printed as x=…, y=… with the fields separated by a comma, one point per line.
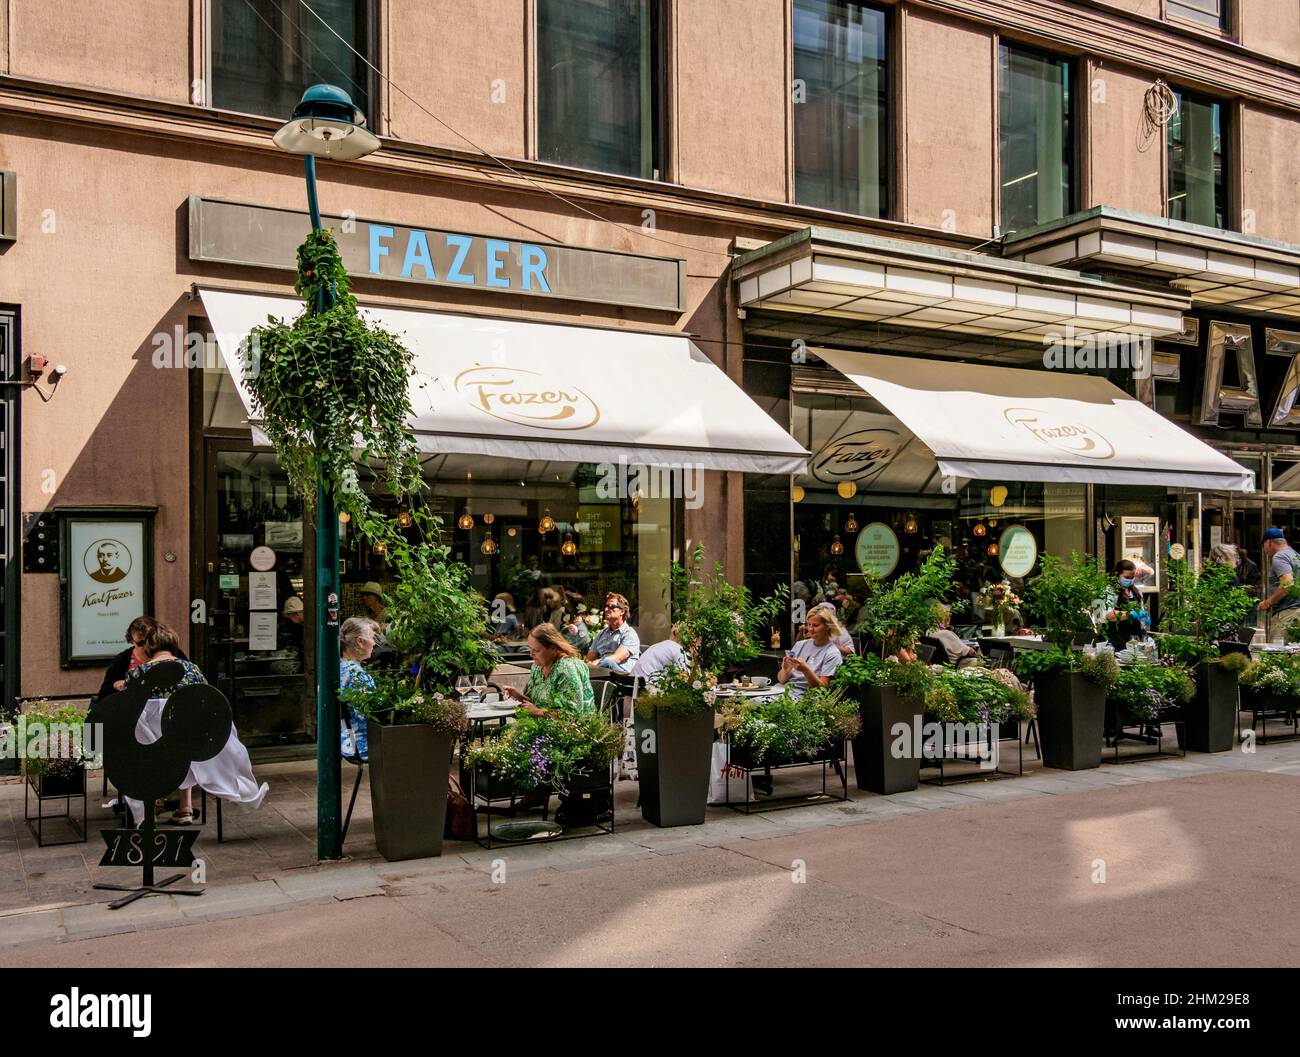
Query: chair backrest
x=937, y=648
x=924, y=652
x=609, y=696
x=1000, y=657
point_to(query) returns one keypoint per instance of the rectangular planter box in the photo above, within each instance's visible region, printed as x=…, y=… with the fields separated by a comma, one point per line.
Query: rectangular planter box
x=1071, y=714
x=1212, y=714
x=675, y=777
x=408, y=788
x=877, y=768
x=46, y=786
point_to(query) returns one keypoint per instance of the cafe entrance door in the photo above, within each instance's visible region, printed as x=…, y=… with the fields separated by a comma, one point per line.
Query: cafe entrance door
x=256, y=647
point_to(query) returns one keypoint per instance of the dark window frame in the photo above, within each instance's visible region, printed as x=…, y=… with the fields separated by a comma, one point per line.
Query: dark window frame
x=367, y=26
x=891, y=176
x=1230, y=222
x=1074, y=139
x=659, y=88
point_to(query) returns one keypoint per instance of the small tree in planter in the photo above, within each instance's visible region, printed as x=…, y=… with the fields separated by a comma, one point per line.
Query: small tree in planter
x=1198, y=610
x=720, y=627
x=1069, y=686
x=894, y=616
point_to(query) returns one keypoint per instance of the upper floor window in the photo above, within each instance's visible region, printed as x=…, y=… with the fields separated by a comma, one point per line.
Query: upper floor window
x=1210, y=13
x=266, y=53
x=600, y=85
x=840, y=92
x=1035, y=137
x=1197, y=188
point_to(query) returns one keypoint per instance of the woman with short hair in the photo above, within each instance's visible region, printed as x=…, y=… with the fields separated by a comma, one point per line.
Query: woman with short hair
x=357, y=638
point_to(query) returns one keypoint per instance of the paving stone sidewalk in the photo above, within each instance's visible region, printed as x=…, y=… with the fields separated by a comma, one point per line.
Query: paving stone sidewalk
x=267, y=862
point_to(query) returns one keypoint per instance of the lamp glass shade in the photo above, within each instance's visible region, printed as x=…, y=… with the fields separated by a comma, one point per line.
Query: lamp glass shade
x=489, y=518
x=979, y=529
x=797, y=493
x=465, y=521
x=836, y=546
x=851, y=525
x=998, y=494
x=847, y=489
x=546, y=523
x=327, y=124
x=568, y=547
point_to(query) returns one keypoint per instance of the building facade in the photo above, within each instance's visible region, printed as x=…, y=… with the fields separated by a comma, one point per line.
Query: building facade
x=935, y=181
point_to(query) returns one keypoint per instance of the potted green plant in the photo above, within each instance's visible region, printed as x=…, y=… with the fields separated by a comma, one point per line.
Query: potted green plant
x=893, y=616
x=1271, y=685
x=1069, y=685
x=788, y=729
x=890, y=697
x=49, y=740
x=1198, y=610
x=720, y=626
x=561, y=751
x=411, y=730
x=1145, y=694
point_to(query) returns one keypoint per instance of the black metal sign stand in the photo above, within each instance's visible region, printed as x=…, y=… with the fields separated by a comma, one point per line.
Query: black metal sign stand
x=146, y=847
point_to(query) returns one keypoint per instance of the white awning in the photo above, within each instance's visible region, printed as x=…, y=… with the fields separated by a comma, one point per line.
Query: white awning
x=1016, y=425
x=543, y=391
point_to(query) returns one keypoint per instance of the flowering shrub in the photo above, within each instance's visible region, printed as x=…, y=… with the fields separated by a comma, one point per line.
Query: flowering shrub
x=1273, y=673
x=789, y=728
x=1145, y=690
x=396, y=700
x=548, y=750
x=681, y=691
x=50, y=739
x=976, y=695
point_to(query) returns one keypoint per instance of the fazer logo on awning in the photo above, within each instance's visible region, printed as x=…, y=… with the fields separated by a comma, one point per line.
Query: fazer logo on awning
x=527, y=398
x=855, y=456
x=1073, y=438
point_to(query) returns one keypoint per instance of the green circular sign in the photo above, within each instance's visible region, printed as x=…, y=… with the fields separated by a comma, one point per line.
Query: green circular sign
x=877, y=550
x=1017, y=551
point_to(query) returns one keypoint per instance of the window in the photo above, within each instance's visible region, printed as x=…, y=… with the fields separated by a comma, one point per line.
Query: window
x=1036, y=138
x=600, y=85
x=1197, y=191
x=1210, y=13
x=265, y=54
x=841, y=132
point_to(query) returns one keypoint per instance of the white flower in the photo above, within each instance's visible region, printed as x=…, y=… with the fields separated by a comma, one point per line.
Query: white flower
x=438, y=696
x=710, y=696
x=697, y=685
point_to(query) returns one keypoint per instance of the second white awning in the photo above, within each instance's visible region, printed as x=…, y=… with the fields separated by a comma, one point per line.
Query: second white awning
x=1004, y=423
x=519, y=389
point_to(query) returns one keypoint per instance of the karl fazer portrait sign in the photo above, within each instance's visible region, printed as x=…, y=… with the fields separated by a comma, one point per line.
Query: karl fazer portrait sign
x=106, y=565
x=266, y=237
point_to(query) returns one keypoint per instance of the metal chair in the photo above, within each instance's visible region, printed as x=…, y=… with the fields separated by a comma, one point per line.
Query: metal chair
x=924, y=652
x=358, y=761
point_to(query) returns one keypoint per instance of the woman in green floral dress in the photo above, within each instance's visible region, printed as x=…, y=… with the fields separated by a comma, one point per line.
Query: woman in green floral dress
x=559, y=680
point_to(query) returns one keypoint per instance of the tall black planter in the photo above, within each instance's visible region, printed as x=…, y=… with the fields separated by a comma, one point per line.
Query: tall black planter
x=1071, y=715
x=1212, y=713
x=675, y=777
x=408, y=788
x=877, y=768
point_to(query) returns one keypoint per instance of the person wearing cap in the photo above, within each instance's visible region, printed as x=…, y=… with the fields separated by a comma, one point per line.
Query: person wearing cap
x=1280, y=604
x=372, y=598
x=293, y=623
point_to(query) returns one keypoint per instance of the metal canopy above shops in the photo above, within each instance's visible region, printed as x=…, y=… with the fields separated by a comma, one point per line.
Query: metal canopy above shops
x=1002, y=423
x=953, y=293
x=1216, y=267
x=523, y=390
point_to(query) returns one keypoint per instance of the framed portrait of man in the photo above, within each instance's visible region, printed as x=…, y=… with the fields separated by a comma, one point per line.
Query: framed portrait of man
x=106, y=581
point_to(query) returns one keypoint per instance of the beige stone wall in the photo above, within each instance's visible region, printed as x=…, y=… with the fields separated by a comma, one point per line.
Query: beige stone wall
x=1150, y=8
x=730, y=122
x=1271, y=27
x=465, y=63
x=1270, y=191
x=948, y=124
x=1126, y=167
x=140, y=47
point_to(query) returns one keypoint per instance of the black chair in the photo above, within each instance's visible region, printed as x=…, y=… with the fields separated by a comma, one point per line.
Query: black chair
x=1227, y=646
x=924, y=652
x=937, y=648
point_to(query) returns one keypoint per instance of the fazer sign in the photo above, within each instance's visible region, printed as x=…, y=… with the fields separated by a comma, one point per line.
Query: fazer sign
x=266, y=237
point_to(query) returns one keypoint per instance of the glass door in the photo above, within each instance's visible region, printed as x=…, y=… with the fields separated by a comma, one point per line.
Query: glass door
x=258, y=650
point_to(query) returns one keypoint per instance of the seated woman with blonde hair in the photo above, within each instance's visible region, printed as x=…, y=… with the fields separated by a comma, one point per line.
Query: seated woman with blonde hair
x=559, y=680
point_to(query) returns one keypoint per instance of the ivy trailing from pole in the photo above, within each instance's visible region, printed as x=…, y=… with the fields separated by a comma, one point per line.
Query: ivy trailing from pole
x=330, y=390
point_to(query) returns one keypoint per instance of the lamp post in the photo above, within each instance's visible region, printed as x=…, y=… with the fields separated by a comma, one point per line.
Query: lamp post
x=326, y=124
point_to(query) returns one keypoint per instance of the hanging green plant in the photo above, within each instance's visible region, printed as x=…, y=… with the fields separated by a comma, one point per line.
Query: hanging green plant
x=330, y=388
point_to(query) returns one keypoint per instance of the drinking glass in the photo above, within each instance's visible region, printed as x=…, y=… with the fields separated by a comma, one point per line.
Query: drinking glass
x=462, y=685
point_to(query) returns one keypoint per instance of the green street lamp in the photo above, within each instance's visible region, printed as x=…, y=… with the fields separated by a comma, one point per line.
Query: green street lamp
x=326, y=124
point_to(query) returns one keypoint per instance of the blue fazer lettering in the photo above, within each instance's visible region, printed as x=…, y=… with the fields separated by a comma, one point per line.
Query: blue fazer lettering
x=417, y=252
x=462, y=244
x=533, y=266
x=377, y=248
x=496, y=247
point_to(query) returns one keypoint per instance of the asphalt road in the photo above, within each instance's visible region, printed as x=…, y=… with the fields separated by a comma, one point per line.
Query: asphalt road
x=1199, y=871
